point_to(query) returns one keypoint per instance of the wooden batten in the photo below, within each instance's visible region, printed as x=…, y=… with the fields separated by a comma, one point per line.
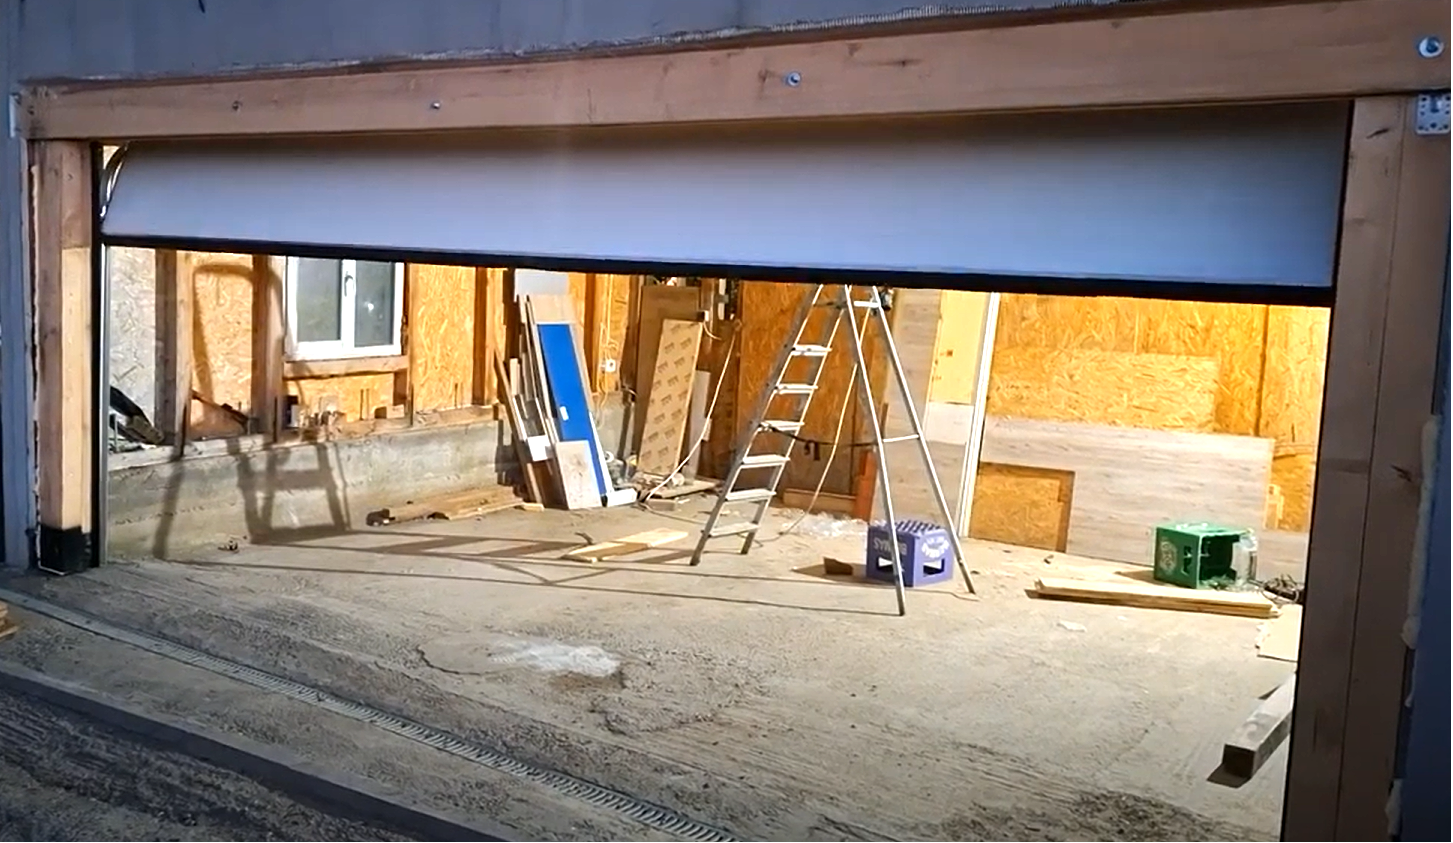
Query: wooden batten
x=1379, y=392
x=63, y=311
x=1265, y=51
x=267, y=344
x=174, y=292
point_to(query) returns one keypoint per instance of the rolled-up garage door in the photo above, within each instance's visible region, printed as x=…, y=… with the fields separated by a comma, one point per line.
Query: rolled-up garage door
x=1245, y=195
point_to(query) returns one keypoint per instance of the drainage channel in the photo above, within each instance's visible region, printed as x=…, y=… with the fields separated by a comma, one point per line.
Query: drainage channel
x=641, y=811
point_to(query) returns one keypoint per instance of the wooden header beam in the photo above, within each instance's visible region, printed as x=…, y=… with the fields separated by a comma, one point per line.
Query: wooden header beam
x=1263, y=52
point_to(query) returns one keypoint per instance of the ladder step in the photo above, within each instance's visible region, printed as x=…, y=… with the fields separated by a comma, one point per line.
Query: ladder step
x=765, y=460
x=810, y=350
x=795, y=388
x=781, y=426
x=738, y=495
x=867, y=304
x=909, y=438
x=734, y=529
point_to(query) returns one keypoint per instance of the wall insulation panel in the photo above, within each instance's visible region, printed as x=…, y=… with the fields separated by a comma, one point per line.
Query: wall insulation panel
x=1243, y=195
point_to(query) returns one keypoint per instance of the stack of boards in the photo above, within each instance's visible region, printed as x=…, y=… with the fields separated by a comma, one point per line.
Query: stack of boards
x=551, y=413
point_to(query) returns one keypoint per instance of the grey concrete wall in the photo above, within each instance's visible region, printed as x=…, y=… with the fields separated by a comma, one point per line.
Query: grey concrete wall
x=109, y=38
x=169, y=508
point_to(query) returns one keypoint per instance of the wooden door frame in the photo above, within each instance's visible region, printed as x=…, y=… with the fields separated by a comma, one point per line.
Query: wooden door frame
x=1388, y=293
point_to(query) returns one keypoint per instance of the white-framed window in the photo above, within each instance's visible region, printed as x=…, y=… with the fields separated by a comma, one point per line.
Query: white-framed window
x=343, y=308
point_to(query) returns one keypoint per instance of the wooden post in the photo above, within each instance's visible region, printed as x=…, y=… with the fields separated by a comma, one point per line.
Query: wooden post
x=174, y=289
x=488, y=301
x=62, y=238
x=267, y=344
x=1379, y=394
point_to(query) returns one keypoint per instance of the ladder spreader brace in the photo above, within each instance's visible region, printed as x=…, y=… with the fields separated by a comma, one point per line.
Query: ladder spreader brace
x=799, y=393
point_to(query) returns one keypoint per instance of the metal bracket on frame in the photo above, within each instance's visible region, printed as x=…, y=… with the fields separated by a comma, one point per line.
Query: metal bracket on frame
x=1431, y=116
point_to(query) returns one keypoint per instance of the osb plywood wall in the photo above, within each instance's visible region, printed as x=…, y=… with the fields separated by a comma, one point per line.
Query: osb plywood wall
x=1253, y=370
x=766, y=313
x=441, y=336
x=221, y=341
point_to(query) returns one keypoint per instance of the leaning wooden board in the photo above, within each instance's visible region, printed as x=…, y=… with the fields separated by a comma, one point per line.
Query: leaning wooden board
x=666, y=410
x=1153, y=596
x=1128, y=480
x=659, y=302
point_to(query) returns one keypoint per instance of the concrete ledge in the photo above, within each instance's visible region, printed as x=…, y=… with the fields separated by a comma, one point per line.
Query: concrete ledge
x=337, y=793
x=239, y=489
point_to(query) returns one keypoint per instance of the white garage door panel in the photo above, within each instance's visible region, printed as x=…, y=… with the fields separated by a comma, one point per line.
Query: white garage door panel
x=1244, y=195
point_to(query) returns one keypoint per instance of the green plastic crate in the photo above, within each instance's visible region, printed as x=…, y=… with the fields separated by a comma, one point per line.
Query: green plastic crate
x=1196, y=554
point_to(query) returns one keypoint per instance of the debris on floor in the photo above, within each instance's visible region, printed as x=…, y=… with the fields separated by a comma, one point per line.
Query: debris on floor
x=633, y=543
x=836, y=567
x=1258, y=737
x=1281, y=637
x=1072, y=626
x=448, y=507
x=1152, y=596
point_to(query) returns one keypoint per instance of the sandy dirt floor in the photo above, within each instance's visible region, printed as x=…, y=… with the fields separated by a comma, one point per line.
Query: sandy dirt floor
x=751, y=692
x=63, y=777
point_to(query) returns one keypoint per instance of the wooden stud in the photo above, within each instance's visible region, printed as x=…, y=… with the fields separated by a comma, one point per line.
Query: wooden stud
x=62, y=266
x=174, y=291
x=1260, y=734
x=597, y=327
x=267, y=344
x=1267, y=51
x=1378, y=395
x=485, y=388
x=1405, y=398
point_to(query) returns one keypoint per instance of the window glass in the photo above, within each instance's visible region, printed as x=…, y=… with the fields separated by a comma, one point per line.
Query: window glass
x=319, y=300
x=373, y=305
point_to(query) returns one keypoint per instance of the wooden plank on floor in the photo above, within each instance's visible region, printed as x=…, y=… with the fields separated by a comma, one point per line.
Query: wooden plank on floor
x=633, y=543
x=466, y=504
x=1129, y=480
x=666, y=410
x=802, y=499
x=1152, y=596
x=1256, y=739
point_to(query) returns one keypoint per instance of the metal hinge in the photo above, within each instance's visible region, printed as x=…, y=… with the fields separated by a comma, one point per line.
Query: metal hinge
x=1431, y=115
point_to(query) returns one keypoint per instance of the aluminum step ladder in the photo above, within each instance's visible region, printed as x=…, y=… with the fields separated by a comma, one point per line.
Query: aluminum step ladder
x=797, y=393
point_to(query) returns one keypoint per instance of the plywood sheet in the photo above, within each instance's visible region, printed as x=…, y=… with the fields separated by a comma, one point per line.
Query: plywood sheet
x=1022, y=505
x=767, y=311
x=441, y=339
x=1232, y=334
x=355, y=396
x=575, y=466
x=1128, y=480
x=1291, y=404
x=1158, y=391
x=666, y=413
x=221, y=338
x=658, y=302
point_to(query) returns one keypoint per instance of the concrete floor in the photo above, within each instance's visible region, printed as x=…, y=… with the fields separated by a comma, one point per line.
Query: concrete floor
x=750, y=692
